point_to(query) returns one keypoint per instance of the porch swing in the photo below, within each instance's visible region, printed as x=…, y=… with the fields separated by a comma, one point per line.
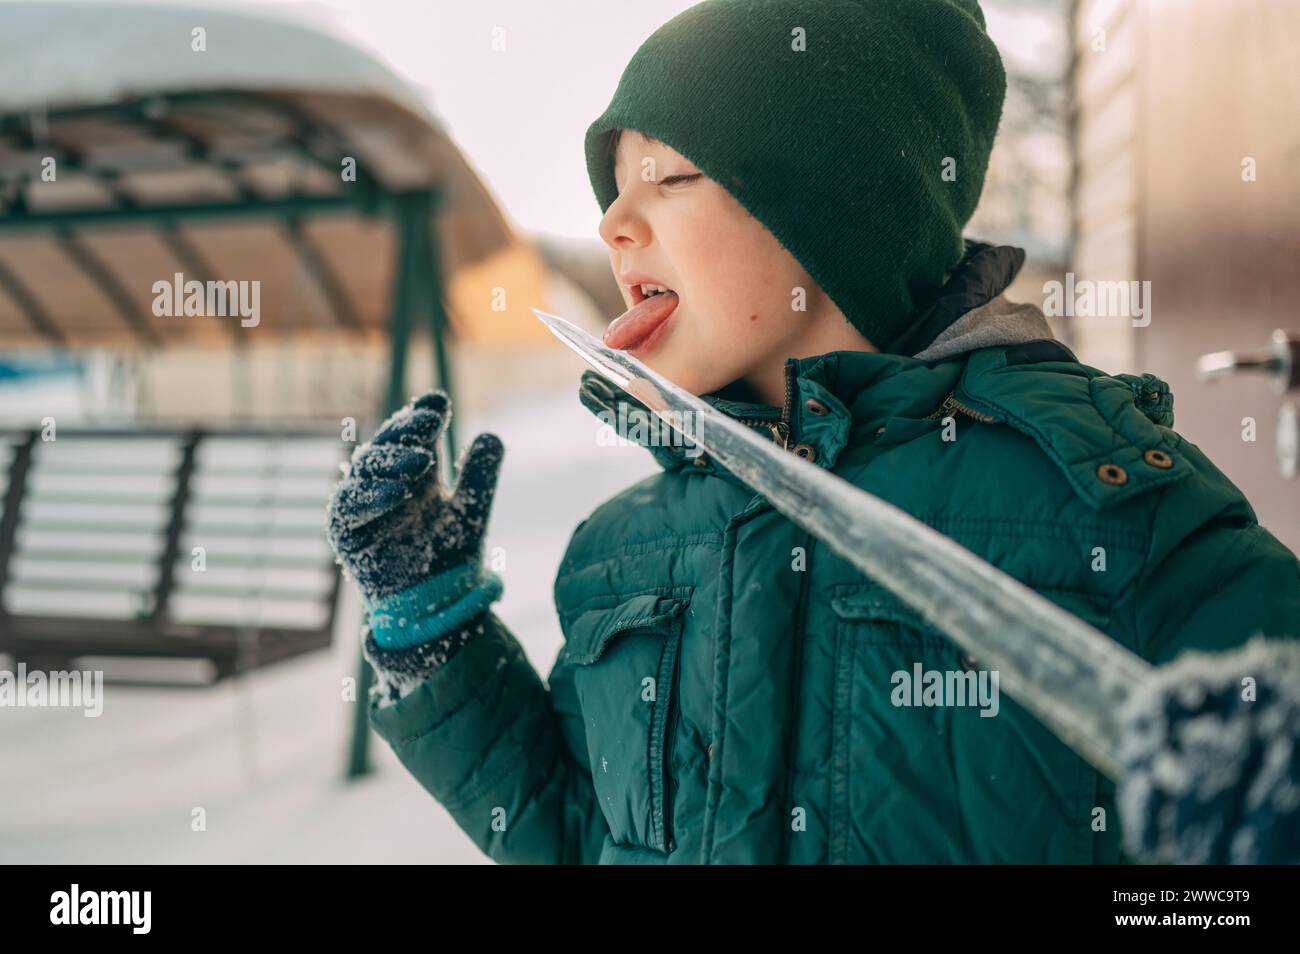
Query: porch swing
x=204, y=542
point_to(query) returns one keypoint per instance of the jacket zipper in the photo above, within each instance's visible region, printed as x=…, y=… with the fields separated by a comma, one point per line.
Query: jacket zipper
x=950, y=404
x=780, y=429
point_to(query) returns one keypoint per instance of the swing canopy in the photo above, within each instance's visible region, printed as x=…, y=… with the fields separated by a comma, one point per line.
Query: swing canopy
x=142, y=145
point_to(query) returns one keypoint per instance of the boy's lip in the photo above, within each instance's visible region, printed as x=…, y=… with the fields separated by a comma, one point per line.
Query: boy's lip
x=634, y=280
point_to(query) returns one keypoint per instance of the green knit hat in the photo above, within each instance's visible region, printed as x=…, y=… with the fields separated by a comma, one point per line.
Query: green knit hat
x=857, y=131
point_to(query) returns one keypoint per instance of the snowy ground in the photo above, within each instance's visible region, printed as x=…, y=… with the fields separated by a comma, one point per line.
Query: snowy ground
x=264, y=756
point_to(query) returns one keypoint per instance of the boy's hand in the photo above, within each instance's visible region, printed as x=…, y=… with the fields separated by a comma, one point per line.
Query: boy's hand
x=1210, y=771
x=392, y=523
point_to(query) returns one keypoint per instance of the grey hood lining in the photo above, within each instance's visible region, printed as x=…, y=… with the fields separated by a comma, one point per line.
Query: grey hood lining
x=996, y=322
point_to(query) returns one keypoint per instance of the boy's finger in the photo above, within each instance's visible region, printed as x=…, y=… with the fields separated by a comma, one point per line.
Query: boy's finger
x=435, y=400
x=412, y=427
x=354, y=541
x=479, y=471
x=393, y=461
x=420, y=424
x=357, y=502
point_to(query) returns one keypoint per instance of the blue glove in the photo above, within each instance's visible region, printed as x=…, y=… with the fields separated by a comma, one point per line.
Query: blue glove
x=412, y=546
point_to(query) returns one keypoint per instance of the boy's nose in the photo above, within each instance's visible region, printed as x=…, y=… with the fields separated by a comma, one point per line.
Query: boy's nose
x=621, y=227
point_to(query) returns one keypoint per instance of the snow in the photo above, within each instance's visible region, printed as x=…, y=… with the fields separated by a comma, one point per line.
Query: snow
x=1211, y=778
x=264, y=756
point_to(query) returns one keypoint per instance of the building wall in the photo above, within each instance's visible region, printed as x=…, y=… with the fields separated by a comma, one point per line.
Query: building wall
x=1187, y=179
x=1105, y=119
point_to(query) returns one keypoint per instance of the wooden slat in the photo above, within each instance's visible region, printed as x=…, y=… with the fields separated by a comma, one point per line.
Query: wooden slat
x=252, y=521
x=1112, y=127
x=31, y=539
x=46, y=482
x=281, y=489
x=110, y=604
x=1107, y=195
x=313, y=582
x=91, y=533
x=300, y=614
x=303, y=549
x=59, y=513
x=1107, y=14
x=108, y=454
x=140, y=575
x=237, y=455
x=1099, y=72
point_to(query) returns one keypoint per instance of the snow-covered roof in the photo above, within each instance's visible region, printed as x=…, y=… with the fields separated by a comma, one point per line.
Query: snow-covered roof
x=103, y=52
x=136, y=118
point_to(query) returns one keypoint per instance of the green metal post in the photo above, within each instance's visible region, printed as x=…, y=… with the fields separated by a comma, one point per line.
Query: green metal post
x=438, y=324
x=408, y=223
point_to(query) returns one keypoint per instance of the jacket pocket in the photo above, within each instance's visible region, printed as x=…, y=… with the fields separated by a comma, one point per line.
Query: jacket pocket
x=931, y=762
x=892, y=786
x=621, y=654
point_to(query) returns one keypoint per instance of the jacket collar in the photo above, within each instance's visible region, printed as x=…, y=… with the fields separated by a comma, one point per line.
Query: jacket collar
x=832, y=400
x=984, y=272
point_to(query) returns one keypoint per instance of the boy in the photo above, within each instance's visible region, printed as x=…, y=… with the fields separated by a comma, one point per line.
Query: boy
x=777, y=212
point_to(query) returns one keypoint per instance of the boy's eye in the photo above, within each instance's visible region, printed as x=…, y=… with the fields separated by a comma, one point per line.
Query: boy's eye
x=677, y=180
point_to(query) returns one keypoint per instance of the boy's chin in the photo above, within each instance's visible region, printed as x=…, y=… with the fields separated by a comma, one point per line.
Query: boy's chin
x=665, y=367
x=683, y=378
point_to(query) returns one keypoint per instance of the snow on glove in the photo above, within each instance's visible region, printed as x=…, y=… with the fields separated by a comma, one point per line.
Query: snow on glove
x=1212, y=776
x=411, y=545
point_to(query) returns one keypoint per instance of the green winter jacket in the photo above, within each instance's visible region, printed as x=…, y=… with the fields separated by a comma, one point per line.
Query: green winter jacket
x=726, y=691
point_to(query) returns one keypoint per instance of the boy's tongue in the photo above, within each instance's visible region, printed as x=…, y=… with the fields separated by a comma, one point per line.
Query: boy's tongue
x=639, y=320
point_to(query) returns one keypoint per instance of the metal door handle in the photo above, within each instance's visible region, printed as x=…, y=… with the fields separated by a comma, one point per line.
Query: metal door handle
x=1281, y=362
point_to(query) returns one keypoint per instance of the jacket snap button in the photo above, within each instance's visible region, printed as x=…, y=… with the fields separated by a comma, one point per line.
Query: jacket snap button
x=815, y=406
x=969, y=662
x=1112, y=474
x=806, y=452
x=1158, y=458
